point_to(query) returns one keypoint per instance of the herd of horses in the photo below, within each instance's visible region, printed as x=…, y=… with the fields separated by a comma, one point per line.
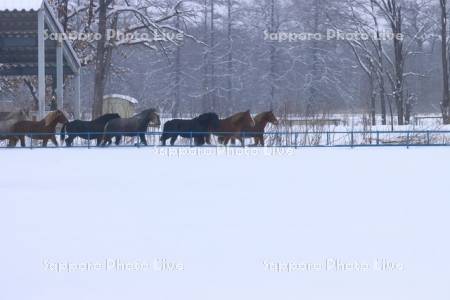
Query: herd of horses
x=15, y=128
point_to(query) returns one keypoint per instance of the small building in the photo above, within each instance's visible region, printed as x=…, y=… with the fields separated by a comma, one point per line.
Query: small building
x=123, y=105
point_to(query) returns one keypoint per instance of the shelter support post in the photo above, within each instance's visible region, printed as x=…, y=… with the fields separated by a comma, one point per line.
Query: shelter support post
x=77, y=95
x=59, y=76
x=41, y=63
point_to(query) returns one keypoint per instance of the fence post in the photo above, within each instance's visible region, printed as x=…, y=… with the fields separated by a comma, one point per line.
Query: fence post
x=407, y=140
x=428, y=138
x=352, y=139
x=378, y=138
x=328, y=138
x=296, y=140
x=31, y=140
x=190, y=140
x=89, y=140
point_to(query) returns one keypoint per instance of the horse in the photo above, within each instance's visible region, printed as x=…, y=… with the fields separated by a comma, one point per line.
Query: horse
x=232, y=126
x=198, y=128
x=8, y=122
x=257, y=132
x=87, y=130
x=39, y=130
x=131, y=127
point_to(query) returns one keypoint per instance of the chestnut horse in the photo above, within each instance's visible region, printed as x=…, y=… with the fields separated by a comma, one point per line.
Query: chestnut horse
x=257, y=132
x=232, y=126
x=39, y=130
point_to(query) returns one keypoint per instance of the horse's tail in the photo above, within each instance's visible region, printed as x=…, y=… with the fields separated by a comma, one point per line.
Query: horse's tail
x=104, y=136
x=63, y=132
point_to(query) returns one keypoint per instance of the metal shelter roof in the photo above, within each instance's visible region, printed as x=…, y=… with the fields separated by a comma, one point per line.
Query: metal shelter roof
x=19, y=39
x=26, y=50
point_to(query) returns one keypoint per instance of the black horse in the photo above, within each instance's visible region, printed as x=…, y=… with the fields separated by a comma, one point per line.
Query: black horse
x=135, y=126
x=197, y=128
x=87, y=130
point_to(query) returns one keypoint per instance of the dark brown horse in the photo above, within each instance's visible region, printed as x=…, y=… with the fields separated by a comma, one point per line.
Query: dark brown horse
x=257, y=132
x=8, y=121
x=43, y=130
x=232, y=126
x=130, y=127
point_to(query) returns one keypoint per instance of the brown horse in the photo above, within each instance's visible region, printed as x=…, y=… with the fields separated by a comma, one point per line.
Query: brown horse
x=39, y=130
x=8, y=121
x=257, y=131
x=232, y=126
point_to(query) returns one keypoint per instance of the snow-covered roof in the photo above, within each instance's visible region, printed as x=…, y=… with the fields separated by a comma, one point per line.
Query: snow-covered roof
x=123, y=97
x=20, y=5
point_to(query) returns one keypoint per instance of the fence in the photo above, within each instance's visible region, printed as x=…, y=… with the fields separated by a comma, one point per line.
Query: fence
x=272, y=139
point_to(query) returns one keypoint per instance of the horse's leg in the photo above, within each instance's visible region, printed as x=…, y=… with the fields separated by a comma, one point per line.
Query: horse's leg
x=199, y=140
x=105, y=141
x=118, y=140
x=54, y=141
x=12, y=142
x=99, y=141
x=163, y=139
x=143, y=139
x=233, y=141
x=173, y=140
x=22, y=141
x=261, y=140
x=241, y=139
x=44, y=142
x=226, y=139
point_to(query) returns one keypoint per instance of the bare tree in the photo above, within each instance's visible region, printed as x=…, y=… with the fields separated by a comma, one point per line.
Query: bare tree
x=392, y=12
x=445, y=73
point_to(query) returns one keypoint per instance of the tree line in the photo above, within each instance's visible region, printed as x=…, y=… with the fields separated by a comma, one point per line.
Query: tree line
x=225, y=62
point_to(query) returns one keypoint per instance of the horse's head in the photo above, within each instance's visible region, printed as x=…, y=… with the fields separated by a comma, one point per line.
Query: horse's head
x=152, y=117
x=61, y=117
x=209, y=120
x=55, y=117
x=270, y=117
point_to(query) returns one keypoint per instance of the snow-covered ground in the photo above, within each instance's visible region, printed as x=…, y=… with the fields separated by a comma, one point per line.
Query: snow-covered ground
x=79, y=224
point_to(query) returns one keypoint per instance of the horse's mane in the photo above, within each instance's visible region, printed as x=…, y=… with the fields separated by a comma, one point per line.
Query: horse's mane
x=207, y=115
x=105, y=117
x=144, y=113
x=238, y=117
x=51, y=117
x=259, y=117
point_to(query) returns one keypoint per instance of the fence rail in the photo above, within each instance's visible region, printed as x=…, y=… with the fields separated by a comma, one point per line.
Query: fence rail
x=272, y=139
